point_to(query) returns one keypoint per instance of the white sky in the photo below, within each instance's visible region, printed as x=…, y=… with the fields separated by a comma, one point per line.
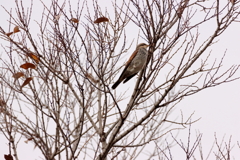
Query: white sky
x=218, y=107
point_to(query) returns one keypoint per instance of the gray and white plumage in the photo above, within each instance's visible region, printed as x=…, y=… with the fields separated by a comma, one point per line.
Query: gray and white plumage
x=135, y=64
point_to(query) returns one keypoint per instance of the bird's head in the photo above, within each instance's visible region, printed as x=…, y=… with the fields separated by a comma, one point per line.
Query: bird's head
x=142, y=45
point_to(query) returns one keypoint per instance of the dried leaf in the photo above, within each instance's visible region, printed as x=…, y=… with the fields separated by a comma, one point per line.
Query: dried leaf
x=28, y=65
x=8, y=157
x=18, y=75
x=57, y=17
x=89, y=76
x=75, y=20
x=232, y=1
x=34, y=57
x=9, y=34
x=2, y=103
x=101, y=19
x=29, y=139
x=16, y=29
x=27, y=81
x=35, y=146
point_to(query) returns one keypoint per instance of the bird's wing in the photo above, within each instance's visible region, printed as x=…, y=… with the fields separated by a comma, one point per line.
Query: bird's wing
x=131, y=58
x=128, y=62
x=128, y=78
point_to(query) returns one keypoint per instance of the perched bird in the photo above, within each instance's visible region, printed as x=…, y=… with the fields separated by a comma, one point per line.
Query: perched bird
x=135, y=63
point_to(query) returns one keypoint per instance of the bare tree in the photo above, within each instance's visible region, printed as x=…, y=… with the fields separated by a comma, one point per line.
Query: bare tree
x=56, y=78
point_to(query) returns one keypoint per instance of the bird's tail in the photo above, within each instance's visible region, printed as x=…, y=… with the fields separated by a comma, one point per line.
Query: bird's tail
x=116, y=84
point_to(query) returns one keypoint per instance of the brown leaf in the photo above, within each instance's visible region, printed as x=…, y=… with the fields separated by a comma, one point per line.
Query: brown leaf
x=57, y=17
x=232, y=1
x=27, y=81
x=101, y=19
x=18, y=75
x=16, y=29
x=8, y=157
x=28, y=65
x=2, y=103
x=89, y=76
x=75, y=20
x=9, y=34
x=34, y=57
x=29, y=139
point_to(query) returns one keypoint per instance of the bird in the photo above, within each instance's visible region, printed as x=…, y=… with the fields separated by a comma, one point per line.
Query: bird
x=134, y=64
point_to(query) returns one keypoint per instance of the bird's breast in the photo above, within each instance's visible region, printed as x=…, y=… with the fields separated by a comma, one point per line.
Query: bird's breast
x=138, y=61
